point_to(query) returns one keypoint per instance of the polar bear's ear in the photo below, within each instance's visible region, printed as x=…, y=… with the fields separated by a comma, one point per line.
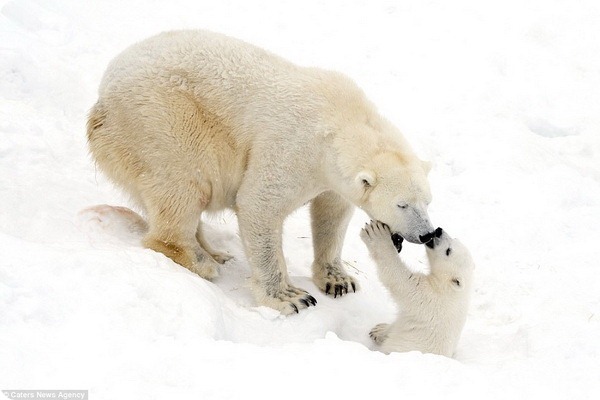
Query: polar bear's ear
x=366, y=179
x=426, y=166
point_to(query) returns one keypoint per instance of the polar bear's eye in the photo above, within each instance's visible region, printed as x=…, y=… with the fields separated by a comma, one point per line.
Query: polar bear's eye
x=448, y=251
x=456, y=282
x=403, y=206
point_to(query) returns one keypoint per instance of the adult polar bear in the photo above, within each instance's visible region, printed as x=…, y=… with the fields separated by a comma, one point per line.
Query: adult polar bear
x=193, y=121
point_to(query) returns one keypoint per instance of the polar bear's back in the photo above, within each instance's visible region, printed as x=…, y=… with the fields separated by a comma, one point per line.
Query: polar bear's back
x=202, y=54
x=229, y=76
x=234, y=79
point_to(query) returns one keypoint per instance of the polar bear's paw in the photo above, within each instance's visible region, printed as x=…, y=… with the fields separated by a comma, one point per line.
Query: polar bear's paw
x=207, y=270
x=379, y=333
x=220, y=257
x=286, y=299
x=333, y=280
x=338, y=285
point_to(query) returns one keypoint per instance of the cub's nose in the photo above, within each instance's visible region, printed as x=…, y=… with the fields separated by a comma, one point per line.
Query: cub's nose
x=434, y=235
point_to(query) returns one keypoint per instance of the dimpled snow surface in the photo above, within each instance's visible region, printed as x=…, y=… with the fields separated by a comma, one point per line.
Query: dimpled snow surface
x=501, y=97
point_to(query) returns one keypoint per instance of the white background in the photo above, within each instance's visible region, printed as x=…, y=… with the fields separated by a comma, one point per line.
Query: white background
x=502, y=97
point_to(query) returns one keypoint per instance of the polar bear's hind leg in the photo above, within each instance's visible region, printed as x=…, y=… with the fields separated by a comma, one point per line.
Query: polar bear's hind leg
x=218, y=256
x=174, y=213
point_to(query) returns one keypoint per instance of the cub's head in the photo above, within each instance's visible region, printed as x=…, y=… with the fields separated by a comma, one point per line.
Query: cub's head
x=395, y=191
x=450, y=260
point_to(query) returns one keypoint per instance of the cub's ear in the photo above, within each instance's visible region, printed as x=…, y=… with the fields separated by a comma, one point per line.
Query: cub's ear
x=366, y=179
x=426, y=166
x=457, y=284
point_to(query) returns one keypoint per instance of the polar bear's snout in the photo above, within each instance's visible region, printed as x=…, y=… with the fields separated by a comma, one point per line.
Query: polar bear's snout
x=420, y=230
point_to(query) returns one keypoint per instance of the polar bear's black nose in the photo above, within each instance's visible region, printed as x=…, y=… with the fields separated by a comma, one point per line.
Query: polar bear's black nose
x=426, y=238
x=438, y=232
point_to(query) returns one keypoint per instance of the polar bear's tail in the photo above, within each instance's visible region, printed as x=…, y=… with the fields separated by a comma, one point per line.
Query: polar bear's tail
x=96, y=119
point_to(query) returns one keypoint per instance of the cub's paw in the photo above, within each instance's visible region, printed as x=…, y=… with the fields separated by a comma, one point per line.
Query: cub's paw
x=379, y=333
x=333, y=280
x=376, y=233
x=286, y=299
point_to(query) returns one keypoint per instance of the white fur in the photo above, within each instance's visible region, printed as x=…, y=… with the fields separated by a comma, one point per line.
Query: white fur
x=433, y=307
x=193, y=121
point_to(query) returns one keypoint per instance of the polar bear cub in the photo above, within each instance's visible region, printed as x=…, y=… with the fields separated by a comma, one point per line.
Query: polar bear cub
x=433, y=307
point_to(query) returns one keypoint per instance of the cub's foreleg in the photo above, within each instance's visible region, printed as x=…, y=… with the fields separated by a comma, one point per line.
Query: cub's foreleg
x=392, y=271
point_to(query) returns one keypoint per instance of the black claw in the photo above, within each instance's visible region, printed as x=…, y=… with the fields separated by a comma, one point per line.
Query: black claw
x=295, y=308
x=346, y=287
x=305, y=302
x=327, y=288
x=312, y=300
x=336, y=291
x=353, y=287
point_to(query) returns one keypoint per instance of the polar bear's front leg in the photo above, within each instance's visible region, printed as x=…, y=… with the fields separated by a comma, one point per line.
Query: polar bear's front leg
x=330, y=217
x=261, y=235
x=270, y=282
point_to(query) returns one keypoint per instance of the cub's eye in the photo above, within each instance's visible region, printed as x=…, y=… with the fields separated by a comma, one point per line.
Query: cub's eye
x=448, y=251
x=403, y=206
x=456, y=282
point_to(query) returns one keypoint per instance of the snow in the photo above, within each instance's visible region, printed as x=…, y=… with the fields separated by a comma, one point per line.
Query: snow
x=502, y=97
